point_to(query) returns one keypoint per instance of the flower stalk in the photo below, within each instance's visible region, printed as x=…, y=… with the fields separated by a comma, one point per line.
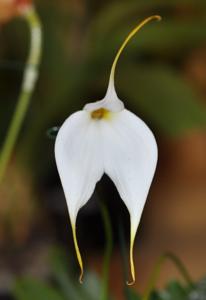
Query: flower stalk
x=108, y=251
x=28, y=84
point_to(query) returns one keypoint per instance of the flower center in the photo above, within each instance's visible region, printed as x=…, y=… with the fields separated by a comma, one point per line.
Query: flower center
x=100, y=113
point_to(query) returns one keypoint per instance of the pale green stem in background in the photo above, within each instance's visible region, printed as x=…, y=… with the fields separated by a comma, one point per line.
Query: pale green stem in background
x=155, y=274
x=108, y=251
x=29, y=81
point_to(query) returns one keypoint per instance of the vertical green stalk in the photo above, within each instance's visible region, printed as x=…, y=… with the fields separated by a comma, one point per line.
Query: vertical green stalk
x=123, y=251
x=108, y=251
x=155, y=274
x=28, y=84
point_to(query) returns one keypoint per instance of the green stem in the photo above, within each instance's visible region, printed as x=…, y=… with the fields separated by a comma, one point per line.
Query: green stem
x=155, y=274
x=108, y=251
x=29, y=80
x=123, y=251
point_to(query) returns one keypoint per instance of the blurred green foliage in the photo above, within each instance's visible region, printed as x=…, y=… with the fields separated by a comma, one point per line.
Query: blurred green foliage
x=62, y=286
x=80, y=43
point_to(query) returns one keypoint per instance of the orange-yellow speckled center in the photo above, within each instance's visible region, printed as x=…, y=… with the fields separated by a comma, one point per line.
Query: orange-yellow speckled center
x=100, y=113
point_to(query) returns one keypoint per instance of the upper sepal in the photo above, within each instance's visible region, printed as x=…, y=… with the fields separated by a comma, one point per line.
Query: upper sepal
x=110, y=102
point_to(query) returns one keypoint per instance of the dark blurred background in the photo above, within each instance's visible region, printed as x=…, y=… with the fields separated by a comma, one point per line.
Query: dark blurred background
x=162, y=78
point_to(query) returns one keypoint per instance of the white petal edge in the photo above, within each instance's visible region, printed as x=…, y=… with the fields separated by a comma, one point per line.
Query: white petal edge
x=130, y=158
x=77, y=154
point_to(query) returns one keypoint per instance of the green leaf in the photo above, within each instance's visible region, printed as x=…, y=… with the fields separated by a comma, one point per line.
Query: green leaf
x=113, y=14
x=163, y=97
x=173, y=36
x=69, y=285
x=169, y=37
x=199, y=292
x=60, y=273
x=174, y=291
x=32, y=289
x=131, y=294
x=155, y=296
x=91, y=286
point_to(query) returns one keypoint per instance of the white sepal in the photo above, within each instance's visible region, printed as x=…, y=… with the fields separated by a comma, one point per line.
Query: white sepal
x=79, y=164
x=111, y=102
x=130, y=158
x=78, y=159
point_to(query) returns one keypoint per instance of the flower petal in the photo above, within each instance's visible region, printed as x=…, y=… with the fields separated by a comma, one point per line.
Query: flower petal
x=79, y=165
x=130, y=157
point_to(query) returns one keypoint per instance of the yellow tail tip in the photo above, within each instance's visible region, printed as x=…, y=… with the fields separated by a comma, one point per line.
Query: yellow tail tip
x=132, y=281
x=128, y=38
x=81, y=277
x=132, y=267
x=157, y=17
x=78, y=254
x=129, y=283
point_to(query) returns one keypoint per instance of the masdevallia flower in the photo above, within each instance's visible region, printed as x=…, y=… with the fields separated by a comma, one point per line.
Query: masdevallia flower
x=105, y=137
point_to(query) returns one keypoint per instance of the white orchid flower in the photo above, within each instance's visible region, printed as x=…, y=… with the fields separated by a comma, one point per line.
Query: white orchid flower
x=105, y=137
